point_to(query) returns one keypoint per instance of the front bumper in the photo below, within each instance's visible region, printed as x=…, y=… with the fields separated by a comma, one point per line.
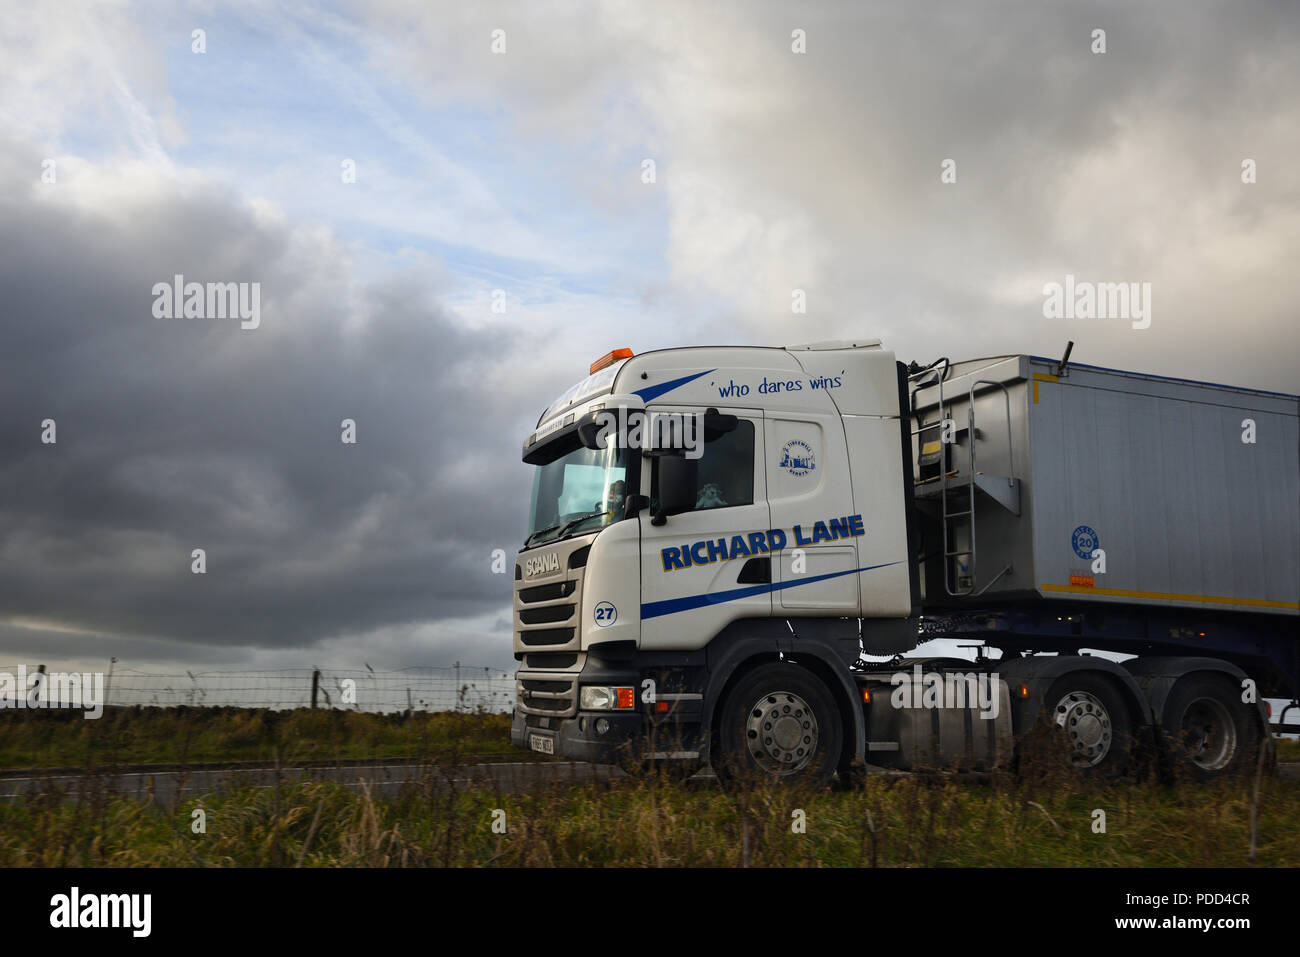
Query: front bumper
x=667, y=728
x=578, y=739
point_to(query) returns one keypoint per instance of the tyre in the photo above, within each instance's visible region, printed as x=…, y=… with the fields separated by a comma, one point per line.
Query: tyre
x=1210, y=729
x=1089, y=713
x=779, y=721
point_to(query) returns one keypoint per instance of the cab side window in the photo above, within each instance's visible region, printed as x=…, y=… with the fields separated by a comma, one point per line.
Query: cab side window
x=724, y=473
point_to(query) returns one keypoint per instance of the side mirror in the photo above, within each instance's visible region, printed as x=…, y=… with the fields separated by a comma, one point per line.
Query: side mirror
x=677, y=479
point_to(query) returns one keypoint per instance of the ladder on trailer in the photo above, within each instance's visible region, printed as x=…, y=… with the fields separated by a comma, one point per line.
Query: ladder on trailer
x=955, y=491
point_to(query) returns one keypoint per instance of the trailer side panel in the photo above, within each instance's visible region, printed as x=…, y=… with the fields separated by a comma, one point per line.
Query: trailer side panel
x=1162, y=477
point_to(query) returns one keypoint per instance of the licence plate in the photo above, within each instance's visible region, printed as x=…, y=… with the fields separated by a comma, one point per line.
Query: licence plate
x=542, y=743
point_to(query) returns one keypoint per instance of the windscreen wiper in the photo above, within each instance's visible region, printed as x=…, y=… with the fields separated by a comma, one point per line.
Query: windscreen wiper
x=564, y=526
x=579, y=520
x=541, y=531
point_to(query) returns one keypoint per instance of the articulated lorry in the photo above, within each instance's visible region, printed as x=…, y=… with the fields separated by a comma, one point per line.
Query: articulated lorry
x=731, y=551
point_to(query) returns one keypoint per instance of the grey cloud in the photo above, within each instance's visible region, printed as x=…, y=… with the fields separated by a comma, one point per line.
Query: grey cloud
x=818, y=171
x=177, y=434
x=821, y=171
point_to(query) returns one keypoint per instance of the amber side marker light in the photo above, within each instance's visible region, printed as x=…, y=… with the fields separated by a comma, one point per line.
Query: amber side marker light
x=866, y=696
x=624, y=698
x=609, y=358
x=1024, y=691
x=661, y=705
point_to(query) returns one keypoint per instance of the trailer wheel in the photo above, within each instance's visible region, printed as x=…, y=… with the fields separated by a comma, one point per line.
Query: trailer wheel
x=1090, y=712
x=780, y=721
x=1210, y=727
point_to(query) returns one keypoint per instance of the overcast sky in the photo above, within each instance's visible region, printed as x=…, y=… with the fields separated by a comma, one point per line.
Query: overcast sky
x=126, y=157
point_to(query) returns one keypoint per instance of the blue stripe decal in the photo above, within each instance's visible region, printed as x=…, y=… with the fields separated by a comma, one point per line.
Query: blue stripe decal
x=655, y=391
x=655, y=609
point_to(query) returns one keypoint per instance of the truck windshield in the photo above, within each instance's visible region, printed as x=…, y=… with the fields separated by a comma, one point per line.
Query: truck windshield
x=580, y=491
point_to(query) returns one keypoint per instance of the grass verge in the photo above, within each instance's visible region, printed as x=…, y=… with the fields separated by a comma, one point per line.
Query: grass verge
x=137, y=735
x=652, y=821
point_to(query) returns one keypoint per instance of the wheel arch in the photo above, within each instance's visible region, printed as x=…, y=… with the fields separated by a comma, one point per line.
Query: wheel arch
x=757, y=642
x=1158, y=675
x=1038, y=674
x=844, y=694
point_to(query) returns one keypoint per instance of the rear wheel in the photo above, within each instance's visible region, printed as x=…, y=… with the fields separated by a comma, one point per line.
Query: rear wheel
x=1088, y=711
x=780, y=721
x=1211, y=728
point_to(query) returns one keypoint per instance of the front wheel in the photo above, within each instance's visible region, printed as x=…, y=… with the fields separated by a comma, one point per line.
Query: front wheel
x=780, y=721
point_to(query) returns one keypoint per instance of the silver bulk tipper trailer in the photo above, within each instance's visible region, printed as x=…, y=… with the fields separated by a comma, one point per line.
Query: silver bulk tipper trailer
x=1122, y=550
x=1067, y=507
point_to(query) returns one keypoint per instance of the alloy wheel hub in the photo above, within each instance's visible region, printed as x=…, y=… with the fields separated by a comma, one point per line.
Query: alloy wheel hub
x=781, y=732
x=1086, y=723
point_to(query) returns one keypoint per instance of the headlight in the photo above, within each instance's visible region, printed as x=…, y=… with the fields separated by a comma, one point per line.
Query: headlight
x=602, y=698
x=594, y=698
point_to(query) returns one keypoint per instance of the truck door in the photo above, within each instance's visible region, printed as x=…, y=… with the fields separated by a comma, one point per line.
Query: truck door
x=691, y=567
x=809, y=482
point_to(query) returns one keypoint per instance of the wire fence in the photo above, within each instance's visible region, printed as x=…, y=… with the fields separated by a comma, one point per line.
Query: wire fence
x=460, y=687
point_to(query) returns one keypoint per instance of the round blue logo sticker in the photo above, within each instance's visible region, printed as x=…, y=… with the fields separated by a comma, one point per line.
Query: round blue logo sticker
x=1083, y=541
x=797, y=457
x=606, y=614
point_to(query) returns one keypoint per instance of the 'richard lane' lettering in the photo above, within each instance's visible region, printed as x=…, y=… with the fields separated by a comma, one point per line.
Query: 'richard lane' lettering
x=711, y=550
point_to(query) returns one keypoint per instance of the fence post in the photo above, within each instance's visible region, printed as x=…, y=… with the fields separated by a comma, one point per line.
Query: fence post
x=108, y=684
x=315, y=685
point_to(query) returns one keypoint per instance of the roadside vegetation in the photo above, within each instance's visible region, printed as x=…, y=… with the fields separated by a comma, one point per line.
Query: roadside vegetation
x=1044, y=815
x=653, y=821
x=187, y=736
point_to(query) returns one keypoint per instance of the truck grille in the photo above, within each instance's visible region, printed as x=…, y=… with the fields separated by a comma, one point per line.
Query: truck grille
x=551, y=661
x=546, y=614
x=549, y=637
x=551, y=592
x=545, y=617
x=548, y=633
x=549, y=695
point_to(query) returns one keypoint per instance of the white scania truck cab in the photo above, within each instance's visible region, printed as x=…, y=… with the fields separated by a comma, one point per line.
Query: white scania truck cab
x=722, y=600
